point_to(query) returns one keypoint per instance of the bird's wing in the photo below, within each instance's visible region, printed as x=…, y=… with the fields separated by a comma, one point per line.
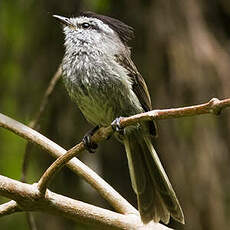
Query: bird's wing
x=139, y=85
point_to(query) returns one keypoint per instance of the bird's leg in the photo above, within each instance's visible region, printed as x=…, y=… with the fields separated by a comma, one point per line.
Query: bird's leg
x=89, y=144
x=117, y=127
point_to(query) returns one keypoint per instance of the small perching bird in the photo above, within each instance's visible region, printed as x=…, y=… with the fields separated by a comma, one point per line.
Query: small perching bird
x=102, y=79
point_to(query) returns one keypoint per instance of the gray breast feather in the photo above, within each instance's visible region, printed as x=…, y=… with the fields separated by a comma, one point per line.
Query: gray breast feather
x=102, y=90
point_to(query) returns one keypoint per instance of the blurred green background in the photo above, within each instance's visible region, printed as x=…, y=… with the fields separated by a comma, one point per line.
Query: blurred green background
x=182, y=48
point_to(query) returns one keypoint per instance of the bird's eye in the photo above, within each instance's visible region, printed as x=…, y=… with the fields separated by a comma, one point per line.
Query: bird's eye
x=85, y=25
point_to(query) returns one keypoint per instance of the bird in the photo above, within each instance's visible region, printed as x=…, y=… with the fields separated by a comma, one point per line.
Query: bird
x=103, y=81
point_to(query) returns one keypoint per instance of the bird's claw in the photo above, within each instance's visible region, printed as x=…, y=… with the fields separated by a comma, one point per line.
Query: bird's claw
x=116, y=126
x=89, y=144
x=87, y=140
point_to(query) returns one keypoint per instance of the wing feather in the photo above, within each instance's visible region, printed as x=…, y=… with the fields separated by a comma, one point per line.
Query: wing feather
x=139, y=87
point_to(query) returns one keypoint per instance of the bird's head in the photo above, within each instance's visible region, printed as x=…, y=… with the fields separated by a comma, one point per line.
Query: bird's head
x=95, y=31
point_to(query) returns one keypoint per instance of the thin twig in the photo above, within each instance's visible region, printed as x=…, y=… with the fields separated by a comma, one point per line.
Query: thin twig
x=12, y=207
x=9, y=208
x=214, y=106
x=102, y=134
x=57, y=165
x=53, y=82
x=34, y=123
x=27, y=196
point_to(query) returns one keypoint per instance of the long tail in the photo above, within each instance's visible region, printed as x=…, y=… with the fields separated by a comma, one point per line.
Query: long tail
x=155, y=195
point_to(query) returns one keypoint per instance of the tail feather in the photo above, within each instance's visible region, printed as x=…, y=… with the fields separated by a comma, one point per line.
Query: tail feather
x=155, y=195
x=137, y=174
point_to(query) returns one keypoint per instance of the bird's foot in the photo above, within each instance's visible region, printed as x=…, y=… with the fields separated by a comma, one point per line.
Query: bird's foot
x=116, y=126
x=87, y=140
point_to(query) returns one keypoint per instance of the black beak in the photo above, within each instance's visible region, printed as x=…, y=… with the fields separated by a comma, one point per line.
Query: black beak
x=63, y=20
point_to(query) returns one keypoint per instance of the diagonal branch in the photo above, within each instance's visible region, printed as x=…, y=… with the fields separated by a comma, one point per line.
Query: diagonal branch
x=106, y=191
x=57, y=165
x=100, y=135
x=45, y=99
x=34, y=123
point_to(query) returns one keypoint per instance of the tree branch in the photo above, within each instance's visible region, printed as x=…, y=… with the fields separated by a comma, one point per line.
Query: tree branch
x=106, y=191
x=214, y=106
x=9, y=208
x=29, y=199
x=45, y=99
x=57, y=165
x=100, y=135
